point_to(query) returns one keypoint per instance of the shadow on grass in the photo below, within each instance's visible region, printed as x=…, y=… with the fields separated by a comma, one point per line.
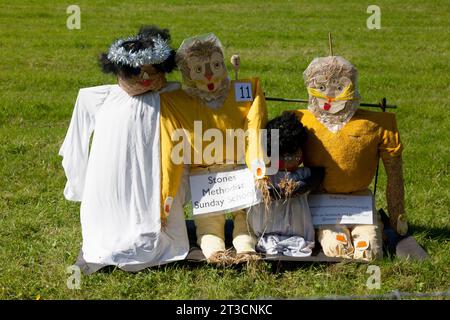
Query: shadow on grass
x=181, y=265
x=273, y=267
x=437, y=234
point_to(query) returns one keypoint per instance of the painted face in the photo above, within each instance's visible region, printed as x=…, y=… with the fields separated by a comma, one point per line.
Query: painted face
x=290, y=162
x=207, y=73
x=149, y=79
x=331, y=95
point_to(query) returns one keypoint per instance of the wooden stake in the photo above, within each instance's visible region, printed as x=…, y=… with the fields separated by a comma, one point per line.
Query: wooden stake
x=330, y=43
x=236, y=63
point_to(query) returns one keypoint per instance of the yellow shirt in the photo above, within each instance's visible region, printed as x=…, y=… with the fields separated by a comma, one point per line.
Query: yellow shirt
x=350, y=156
x=179, y=110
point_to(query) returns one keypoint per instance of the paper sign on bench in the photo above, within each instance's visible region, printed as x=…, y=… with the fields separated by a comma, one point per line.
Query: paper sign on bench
x=222, y=192
x=340, y=209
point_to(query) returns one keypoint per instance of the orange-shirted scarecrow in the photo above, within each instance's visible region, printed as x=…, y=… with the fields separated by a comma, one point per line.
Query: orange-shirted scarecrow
x=348, y=141
x=210, y=100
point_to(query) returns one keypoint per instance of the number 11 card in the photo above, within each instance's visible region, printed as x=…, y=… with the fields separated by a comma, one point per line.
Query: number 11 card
x=243, y=91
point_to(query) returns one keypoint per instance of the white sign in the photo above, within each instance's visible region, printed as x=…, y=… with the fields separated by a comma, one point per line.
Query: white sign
x=222, y=192
x=340, y=209
x=243, y=91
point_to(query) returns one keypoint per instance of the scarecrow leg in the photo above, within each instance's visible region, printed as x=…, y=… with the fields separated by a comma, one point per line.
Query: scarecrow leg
x=243, y=240
x=210, y=233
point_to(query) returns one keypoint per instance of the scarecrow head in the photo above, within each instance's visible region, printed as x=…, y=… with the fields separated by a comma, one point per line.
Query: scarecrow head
x=333, y=92
x=201, y=62
x=292, y=135
x=141, y=62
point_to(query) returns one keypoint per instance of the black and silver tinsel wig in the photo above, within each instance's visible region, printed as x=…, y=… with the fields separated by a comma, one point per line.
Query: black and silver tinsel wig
x=149, y=46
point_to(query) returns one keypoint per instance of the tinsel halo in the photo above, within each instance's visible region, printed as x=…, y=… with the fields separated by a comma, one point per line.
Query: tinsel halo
x=120, y=55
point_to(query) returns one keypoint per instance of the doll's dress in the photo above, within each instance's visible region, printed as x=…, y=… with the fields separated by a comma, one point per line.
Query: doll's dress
x=286, y=227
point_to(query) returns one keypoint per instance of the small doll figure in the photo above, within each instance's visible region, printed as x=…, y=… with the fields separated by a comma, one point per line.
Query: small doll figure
x=348, y=141
x=210, y=98
x=118, y=178
x=283, y=224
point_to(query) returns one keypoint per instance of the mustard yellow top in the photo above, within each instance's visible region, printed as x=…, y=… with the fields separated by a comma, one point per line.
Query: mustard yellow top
x=180, y=110
x=350, y=156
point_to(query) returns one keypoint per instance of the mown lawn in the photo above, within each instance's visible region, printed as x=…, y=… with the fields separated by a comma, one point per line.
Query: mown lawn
x=43, y=65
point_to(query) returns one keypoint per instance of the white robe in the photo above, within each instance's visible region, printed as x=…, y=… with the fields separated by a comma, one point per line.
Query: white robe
x=119, y=180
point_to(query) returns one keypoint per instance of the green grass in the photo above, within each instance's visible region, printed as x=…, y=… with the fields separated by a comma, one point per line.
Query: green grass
x=43, y=65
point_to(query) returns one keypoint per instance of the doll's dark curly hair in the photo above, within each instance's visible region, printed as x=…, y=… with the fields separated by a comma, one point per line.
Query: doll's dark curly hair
x=146, y=34
x=292, y=134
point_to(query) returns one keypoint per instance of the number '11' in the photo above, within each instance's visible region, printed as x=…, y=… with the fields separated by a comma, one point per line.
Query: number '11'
x=242, y=93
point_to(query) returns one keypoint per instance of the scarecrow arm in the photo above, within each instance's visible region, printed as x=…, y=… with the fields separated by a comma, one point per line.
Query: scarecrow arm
x=395, y=193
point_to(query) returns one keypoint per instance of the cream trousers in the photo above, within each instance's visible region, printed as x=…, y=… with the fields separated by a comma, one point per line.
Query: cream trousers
x=211, y=233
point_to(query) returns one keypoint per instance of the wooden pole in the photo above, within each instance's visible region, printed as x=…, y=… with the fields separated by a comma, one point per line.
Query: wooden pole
x=330, y=43
x=236, y=63
x=382, y=105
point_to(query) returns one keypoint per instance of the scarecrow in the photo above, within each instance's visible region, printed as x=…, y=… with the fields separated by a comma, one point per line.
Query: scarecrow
x=347, y=142
x=282, y=222
x=210, y=99
x=118, y=178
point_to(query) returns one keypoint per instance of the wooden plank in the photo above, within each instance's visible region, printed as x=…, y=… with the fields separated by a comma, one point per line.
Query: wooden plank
x=403, y=247
x=408, y=248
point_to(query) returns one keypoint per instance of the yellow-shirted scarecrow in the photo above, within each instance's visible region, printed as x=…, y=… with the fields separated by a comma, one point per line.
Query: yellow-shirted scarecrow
x=348, y=141
x=210, y=100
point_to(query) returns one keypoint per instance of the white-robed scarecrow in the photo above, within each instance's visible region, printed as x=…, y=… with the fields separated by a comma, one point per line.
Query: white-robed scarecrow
x=118, y=179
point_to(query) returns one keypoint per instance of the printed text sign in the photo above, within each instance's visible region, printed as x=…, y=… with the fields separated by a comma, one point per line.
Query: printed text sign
x=221, y=192
x=340, y=209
